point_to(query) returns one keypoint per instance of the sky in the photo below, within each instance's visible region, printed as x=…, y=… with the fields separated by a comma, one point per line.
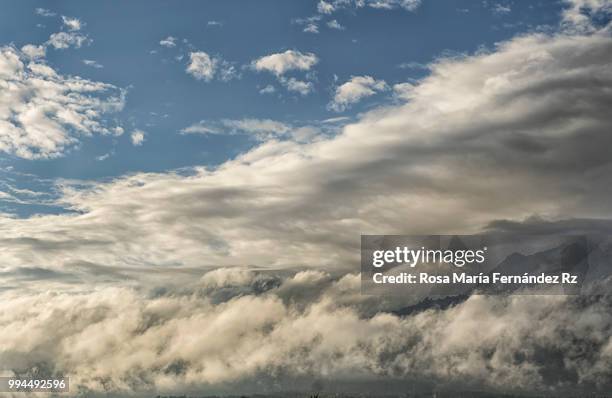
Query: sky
x=183, y=186
x=145, y=56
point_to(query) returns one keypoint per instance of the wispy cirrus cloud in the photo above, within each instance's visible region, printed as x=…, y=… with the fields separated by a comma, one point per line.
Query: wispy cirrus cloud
x=72, y=24
x=43, y=12
x=93, y=64
x=268, y=89
x=328, y=7
x=260, y=129
x=334, y=24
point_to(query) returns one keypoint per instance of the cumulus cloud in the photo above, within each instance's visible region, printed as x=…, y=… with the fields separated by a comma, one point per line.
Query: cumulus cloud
x=403, y=90
x=291, y=60
x=168, y=42
x=137, y=137
x=354, y=90
x=324, y=7
x=203, y=66
x=297, y=86
x=34, y=52
x=280, y=63
x=43, y=113
x=64, y=40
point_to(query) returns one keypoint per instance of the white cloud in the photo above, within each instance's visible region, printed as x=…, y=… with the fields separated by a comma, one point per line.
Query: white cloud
x=102, y=158
x=227, y=71
x=403, y=90
x=298, y=86
x=201, y=66
x=205, y=67
x=44, y=113
x=339, y=119
x=500, y=9
x=355, y=90
x=43, y=12
x=311, y=28
x=258, y=126
x=92, y=63
x=578, y=15
x=409, y=5
x=329, y=7
x=412, y=65
x=324, y=7
x=137, y=137
x=34, y=52
x=201, y=127
x=280, y=63
x=168, y=42
x=261, y=129
x=334, y=24
x=64, y=40
x=269, y=89
x=72, y=24
x=311, y=24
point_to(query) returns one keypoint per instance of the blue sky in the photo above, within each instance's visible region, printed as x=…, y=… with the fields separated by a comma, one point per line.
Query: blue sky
x=123, y=49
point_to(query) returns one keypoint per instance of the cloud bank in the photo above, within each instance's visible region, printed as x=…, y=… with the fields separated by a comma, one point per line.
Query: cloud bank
x=237, y=327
